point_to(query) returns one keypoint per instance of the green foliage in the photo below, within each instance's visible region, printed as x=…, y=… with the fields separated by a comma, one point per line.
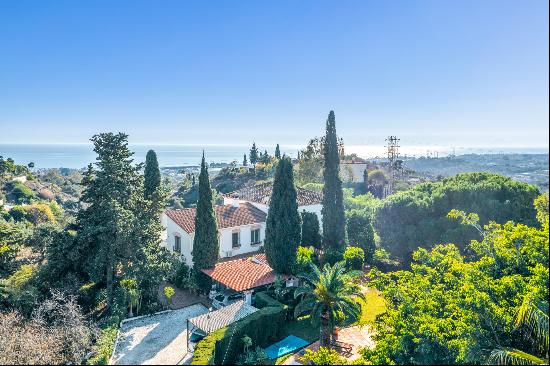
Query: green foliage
x=12, y=236
x=282, y=235
x=326, y=296
x=323, y=356
x=361, y=233
x=449, y=310
x=222, y=347
x=262, y=300
x=355, y=258
x=334, y=220
x=118, y=231
x=277, y=152
x=205, y=244
x=181, y=277
x=418, y=217
x=254, y=155
x=310, y=230
x=169, y=292
x=18, y=291
x=42, y=237
x=37, y=213
x=104, y=346
x=152, y=174
x=304, y=258
x=20, y=192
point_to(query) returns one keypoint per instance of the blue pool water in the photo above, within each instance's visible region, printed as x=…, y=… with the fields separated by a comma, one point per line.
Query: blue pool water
x=286, y=346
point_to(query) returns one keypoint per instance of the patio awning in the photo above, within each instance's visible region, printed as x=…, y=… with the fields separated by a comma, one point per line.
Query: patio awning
x=218, y=319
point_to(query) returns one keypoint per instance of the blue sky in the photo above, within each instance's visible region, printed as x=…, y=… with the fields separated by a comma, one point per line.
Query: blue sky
x=210, y=72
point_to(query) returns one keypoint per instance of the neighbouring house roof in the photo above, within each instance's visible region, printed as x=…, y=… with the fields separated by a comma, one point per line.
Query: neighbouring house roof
x=226, y=216
x=243, y=273
x=212, y=321
x=261, y=193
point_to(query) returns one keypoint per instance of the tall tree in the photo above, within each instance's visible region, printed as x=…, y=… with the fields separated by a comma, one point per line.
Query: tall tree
x=254, y=154
x=245, y=162
x=105, y=225
x=334, y=220
x=282, y=234
x=326, y=295
x=361, y=233
x=205, y=244
x=152, y=174
x=310, y=230
x=277, y=152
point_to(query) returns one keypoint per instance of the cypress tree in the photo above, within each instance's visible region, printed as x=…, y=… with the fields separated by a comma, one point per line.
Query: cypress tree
x=277, y=152
x=334, y=220
x=245, y=163
x=282, y=234
x=254, y=155
x=205, y=244
x=151, y=175
x=310, y=230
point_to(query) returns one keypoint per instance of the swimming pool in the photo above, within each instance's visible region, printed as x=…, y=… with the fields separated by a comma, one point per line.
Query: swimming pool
x=285, y=346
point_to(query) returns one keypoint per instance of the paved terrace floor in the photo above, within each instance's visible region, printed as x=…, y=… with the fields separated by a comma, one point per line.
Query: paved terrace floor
x=358, y=336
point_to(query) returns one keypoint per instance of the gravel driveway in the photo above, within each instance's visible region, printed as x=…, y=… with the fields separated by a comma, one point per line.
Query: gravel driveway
x=155, y=340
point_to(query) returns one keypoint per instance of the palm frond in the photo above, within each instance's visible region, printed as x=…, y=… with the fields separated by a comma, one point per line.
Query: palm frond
x=512, y=356
x=535, y=320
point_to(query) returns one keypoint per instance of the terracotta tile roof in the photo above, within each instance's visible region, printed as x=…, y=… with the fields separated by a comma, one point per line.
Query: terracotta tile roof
x=261, y=193
x=226, y=216
x=243, y=273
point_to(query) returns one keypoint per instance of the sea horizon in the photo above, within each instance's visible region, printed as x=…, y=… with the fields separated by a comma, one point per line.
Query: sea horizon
x=79, y=155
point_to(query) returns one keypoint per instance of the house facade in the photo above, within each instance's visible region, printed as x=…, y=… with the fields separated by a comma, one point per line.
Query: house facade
x=241, y=221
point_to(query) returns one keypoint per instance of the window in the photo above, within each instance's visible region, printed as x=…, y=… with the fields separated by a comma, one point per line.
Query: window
x=236, y=239
x=255, y=236
x=177, y=244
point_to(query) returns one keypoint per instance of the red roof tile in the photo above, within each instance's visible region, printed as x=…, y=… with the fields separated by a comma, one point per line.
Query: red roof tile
x=243, y=273
x=226, y=216
x=261, y=193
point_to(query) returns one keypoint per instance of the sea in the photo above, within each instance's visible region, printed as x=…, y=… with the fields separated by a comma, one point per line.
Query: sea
x=79, y=155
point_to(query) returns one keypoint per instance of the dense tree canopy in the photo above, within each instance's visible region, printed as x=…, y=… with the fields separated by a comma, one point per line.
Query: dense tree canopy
x=282, y=234
x=448, y=309
x=418, y=217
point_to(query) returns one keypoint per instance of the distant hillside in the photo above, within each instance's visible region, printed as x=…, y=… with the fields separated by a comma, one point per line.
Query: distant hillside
x=530, y=168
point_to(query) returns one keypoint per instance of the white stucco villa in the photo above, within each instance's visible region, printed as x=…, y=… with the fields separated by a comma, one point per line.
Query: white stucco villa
x=241, y=221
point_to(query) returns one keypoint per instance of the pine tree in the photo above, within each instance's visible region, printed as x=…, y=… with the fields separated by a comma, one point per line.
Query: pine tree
x=310, y=230
x=105, y=228
x=245, y=162
x=334, y=220
x=152, y=174
x=282, y=235
x=277, y=152
x=254, y=155
x=205, y=244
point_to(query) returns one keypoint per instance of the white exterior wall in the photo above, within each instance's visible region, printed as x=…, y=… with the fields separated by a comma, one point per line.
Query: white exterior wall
x=226, y=242
x=171, y=230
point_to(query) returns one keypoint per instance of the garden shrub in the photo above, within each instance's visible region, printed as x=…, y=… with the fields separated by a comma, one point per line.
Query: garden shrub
x=354, y=257
x=223, y=346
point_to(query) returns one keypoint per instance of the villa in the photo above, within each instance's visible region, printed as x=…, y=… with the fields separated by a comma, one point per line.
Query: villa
x=241, y=221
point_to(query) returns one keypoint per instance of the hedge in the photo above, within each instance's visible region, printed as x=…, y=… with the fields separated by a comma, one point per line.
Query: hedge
x=224, y=345
x=262, y=300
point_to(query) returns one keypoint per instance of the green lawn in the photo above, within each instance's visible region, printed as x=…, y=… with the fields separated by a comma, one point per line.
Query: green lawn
x=373, y=305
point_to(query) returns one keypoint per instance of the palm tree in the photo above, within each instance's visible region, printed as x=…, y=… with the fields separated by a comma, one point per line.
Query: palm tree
x=326, y=294
x=535, y=321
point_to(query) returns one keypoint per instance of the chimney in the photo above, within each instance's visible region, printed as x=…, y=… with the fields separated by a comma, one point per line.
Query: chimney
x=235, y=202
